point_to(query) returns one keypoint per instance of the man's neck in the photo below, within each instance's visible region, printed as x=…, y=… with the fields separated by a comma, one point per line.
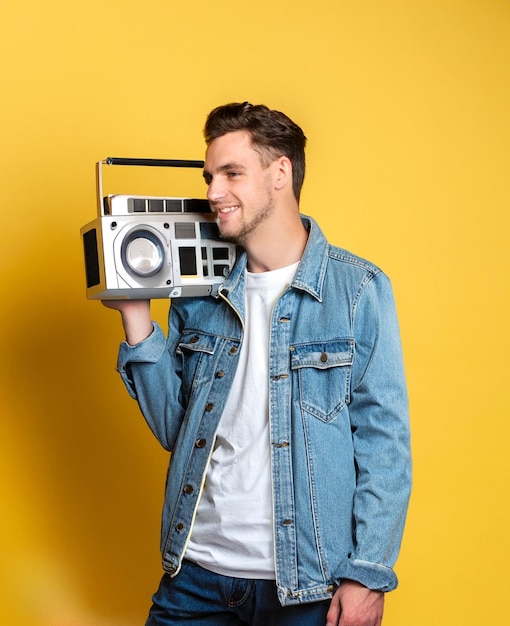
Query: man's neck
x=277, y=245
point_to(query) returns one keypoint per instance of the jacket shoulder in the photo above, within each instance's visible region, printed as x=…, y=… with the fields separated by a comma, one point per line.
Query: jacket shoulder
x=349, y=259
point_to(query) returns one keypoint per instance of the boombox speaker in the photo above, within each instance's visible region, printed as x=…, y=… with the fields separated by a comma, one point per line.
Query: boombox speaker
x=143, y=247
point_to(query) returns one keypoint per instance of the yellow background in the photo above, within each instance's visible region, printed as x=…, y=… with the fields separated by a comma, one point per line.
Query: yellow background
x=406, y=105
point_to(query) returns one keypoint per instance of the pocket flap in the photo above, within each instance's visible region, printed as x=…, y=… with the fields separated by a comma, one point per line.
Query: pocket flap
x=334, y=353
x=196, y=342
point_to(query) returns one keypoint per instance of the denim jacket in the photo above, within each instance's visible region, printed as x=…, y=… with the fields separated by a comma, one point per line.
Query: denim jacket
x=340, y=453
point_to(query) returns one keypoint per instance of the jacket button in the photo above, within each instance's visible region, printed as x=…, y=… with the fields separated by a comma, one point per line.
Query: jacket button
x=200, y=443
x=233, y=350
x=180, y=527
x=280, y=376
x=220, y=374
x=324, y=357
x=188, y=489
x=209, y=406
x=194, y=339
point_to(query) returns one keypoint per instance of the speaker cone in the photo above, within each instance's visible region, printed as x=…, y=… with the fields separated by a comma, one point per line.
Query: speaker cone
x=143, y=253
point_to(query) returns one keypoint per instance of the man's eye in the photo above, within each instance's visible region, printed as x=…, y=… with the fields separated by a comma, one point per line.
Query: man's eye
x=233, y=174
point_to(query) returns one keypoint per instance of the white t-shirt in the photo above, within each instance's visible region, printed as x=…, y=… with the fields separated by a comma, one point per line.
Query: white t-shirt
x=233, y=528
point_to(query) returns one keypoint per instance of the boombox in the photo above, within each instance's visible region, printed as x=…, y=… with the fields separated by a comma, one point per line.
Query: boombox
x=144, y=247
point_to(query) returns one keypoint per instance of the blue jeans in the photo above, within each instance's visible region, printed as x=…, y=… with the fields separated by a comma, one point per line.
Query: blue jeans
x=197, y=596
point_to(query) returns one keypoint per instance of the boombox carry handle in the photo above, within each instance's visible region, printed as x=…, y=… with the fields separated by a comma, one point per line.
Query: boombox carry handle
x=129, y=161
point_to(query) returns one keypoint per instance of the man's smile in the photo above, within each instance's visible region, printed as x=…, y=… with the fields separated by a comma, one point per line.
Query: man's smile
x=227, y=209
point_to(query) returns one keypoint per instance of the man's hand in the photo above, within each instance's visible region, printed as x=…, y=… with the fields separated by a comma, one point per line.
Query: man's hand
x=355, y=605
x=136, y=318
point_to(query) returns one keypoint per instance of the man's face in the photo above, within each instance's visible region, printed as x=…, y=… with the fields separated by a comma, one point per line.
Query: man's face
x=239, y=187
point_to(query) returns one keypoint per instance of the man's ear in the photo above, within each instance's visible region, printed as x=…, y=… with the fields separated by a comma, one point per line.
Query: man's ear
x=282, y=172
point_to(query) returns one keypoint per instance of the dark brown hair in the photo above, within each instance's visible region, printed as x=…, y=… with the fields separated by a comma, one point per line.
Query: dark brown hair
x=273, y=134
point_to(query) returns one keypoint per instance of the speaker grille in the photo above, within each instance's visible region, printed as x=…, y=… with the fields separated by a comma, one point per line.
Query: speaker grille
x=91, y=258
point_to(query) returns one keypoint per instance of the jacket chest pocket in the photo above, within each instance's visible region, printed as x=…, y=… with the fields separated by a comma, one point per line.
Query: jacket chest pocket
x=195, y=349
x=323, y=373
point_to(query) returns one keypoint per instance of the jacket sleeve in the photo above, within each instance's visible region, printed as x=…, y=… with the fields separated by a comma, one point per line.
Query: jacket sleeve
x=151, y=371
x=380, y=429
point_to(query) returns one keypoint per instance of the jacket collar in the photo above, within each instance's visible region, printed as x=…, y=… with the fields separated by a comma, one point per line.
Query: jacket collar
x=312, y=267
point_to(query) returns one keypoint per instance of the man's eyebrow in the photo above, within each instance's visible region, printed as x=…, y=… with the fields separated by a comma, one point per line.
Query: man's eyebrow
x=225, y=168
x=232, y=166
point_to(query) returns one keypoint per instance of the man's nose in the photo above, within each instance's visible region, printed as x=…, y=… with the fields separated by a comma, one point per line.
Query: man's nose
x=215, y=191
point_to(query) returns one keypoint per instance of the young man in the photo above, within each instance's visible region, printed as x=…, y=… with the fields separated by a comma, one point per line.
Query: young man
x=284, y=404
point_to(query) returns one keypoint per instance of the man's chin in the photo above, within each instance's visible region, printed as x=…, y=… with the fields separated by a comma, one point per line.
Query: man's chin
x=227, y=234
x=229, y=238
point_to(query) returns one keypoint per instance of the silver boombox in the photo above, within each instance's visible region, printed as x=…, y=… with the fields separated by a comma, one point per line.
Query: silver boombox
x=144, y=247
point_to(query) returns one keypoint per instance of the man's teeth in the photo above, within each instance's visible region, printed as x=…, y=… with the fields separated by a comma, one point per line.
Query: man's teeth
x=228, y=209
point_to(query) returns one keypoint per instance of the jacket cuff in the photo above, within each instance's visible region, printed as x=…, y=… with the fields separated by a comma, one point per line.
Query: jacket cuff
x=371, y=575
x=150, y=350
